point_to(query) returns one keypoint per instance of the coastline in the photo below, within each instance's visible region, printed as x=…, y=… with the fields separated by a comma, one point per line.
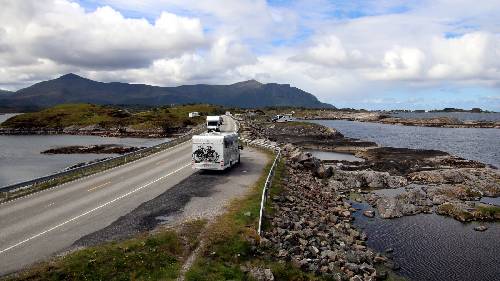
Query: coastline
x=101, y=132
x=377, y=117
x=325, y=194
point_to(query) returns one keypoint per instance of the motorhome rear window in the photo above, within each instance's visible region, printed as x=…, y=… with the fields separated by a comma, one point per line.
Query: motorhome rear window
x=213, y=123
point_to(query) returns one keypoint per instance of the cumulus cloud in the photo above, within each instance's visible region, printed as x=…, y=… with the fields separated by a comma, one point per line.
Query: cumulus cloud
x=329, y=51
x=64, y=33
x=471, y=56
x=341, y=52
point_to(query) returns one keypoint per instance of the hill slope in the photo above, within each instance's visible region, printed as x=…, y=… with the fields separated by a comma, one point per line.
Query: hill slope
x=5, y=92
x=71, y=88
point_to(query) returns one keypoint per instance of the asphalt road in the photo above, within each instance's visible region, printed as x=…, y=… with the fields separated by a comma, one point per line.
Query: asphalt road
x=40, y=225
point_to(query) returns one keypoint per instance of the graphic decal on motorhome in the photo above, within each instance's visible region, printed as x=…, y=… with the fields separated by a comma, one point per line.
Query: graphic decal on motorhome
x=205, y=154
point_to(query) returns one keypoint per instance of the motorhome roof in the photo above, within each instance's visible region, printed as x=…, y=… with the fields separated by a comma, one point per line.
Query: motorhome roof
x=213, y=118
x=217, y=134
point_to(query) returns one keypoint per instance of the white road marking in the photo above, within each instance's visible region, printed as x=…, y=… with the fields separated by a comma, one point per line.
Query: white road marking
x=93, y=210
x=101, y=185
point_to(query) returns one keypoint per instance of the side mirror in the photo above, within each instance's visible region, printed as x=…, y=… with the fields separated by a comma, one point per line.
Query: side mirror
x=240, y=147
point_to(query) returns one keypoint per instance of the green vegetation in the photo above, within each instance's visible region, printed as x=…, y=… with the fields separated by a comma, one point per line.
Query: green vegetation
x=66, y=115
x=229, y=240
x=489, y=211
x=157, y=256
x=275, y=189
x=302, y=124
x=455, y=212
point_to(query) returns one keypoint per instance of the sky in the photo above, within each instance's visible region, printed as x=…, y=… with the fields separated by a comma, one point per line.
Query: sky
x=377, y=54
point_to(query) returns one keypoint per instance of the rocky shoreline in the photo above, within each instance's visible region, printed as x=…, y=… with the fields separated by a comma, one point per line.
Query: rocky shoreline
x=96, y=130
x=93, y=149
x=379, y=117
x=311, y=225
x=311, y=219
x=434, y=181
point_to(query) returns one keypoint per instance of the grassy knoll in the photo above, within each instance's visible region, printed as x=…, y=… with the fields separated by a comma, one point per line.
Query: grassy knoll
x=66, y=115
x=156, y=256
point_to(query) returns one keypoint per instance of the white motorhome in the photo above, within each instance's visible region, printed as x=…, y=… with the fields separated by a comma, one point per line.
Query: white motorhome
x=213, y=123
x=283, y=118
x=215, y=151
x=194, y=114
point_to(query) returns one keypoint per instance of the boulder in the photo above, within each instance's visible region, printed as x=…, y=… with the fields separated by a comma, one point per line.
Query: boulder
x=369, y=213
x=389, y=208
x=481, y=228
x=323, y=172
x=261, y=274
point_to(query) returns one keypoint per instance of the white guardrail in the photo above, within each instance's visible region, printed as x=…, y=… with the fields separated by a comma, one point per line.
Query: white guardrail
x=265, y=190
x=105, y=164
x=269, y=145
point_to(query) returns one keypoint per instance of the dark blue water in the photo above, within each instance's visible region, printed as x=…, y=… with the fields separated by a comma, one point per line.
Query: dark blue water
x=20, y=157
x=471, y=143
x=432, y=247
x=462, y=116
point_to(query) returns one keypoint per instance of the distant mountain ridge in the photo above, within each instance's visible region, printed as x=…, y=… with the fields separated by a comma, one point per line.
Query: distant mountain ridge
x=71, y=88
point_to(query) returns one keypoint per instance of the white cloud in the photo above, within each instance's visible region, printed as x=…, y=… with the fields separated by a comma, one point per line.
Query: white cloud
x=399, y=63
x=471, y=56
x=64, y=33
x=314, y=45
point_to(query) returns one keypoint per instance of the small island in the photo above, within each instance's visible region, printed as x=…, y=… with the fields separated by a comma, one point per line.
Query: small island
x=389, y=117
x=92, y=149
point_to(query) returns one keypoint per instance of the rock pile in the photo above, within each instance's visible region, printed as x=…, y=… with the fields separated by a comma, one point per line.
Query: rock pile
x=311, y=225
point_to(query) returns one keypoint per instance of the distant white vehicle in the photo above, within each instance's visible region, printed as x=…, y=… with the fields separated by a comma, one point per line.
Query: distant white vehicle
x=228, y=113
x=283, y=118
x=194, y=114
x=215, y=151
x=214, y=123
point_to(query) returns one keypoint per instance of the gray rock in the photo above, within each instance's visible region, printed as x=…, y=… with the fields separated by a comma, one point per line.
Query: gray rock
x=389, y=208
x=481, y=228
x=261, y=274
x=369, y=214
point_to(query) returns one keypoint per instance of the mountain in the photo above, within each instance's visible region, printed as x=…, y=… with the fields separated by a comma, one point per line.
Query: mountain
x=71, y=88
x=5, y=92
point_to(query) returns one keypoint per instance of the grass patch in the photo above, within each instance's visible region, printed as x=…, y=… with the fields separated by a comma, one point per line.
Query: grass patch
x=355, y=196
x=300, y=124
x=153, y=257
x=231, y=239
x=490, y=211
x=157, y=256
x=65, y=115
x=276, y=189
